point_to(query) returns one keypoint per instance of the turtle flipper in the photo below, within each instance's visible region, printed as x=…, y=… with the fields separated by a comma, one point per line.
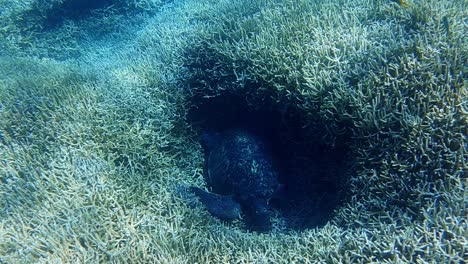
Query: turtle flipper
x=223, y=207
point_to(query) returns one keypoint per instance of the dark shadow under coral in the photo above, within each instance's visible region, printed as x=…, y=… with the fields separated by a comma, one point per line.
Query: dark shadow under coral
x=312, y=173
x=74, y=10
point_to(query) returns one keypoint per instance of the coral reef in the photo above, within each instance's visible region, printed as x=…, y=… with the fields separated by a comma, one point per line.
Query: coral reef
x=98, y=123
x=379, y=79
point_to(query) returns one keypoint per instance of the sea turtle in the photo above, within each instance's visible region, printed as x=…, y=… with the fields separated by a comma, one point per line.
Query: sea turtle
x=239, y=170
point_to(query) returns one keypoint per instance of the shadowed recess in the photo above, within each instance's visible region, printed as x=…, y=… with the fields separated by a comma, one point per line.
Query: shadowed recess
x=311, y=171
x=74, y=9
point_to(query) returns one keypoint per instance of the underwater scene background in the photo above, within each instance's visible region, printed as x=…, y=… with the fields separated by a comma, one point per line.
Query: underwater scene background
x=362, y=103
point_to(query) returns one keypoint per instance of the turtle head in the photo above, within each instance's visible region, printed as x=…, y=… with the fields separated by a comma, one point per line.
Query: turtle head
x=259, y=215
x=209, y=139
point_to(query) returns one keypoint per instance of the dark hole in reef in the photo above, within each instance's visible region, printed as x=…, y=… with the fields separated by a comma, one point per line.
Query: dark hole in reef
x=74, y=10
x=311, y=171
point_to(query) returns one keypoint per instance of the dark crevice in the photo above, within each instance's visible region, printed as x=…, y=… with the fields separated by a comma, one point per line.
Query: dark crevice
x=74, y=10
x=311, y=171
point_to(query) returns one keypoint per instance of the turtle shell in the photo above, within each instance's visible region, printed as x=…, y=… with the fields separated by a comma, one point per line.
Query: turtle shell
x=239, y=163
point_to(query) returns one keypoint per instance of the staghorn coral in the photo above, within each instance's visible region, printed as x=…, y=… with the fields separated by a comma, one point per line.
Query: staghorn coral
x=91, y=144
x=379, y=79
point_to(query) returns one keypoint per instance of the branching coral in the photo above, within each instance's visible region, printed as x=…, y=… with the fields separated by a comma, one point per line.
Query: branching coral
x=93, y=134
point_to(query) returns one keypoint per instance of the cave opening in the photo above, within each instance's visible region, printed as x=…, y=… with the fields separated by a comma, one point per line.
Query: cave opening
x=311, y=171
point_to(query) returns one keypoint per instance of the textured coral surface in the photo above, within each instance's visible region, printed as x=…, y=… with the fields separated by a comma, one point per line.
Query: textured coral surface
x=100, y=115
